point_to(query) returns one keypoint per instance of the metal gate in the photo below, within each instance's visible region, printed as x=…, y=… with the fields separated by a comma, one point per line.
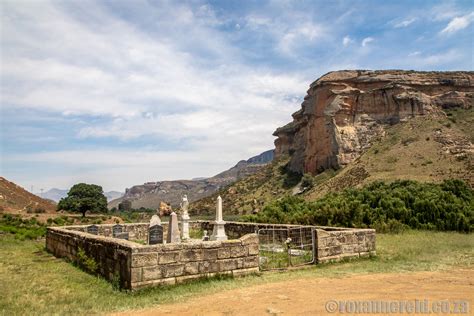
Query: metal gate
x=280, y=248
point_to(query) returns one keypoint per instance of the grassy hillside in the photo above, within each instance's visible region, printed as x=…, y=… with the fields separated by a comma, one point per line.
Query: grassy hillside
x=424, y=149
x=15, y=199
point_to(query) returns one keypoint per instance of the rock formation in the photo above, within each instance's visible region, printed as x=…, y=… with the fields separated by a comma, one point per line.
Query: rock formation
x=344, y=111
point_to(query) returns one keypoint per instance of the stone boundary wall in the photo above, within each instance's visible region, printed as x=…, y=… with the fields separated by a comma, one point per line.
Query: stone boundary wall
x=331, y=243
x=175, y=263
x=112, y=255
x=338, y=245
x=140, y=266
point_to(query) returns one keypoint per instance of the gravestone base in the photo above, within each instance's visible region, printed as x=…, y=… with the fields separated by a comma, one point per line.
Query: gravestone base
x=218, y=232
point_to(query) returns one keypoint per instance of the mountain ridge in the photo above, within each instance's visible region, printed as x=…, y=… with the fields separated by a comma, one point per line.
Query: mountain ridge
x=151, y=194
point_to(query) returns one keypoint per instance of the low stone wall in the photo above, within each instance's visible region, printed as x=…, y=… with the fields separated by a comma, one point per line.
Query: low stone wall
x=174, y=263
x=140, y=266
x=330, y=243
x=113, y=256
x=349, y=243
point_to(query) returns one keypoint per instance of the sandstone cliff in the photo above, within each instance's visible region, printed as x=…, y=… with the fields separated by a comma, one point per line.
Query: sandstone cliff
x=345, y=111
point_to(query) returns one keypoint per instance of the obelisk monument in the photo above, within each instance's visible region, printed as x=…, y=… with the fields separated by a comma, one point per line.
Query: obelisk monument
x=219, y=229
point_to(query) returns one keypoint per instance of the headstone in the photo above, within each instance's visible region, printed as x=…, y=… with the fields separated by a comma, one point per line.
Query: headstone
x=155, y=220
x=117, y=229
x=173, y=229
x=218, y=232
x=155, y=235
x=93, y=229
x=205, y=237
x=185, y=217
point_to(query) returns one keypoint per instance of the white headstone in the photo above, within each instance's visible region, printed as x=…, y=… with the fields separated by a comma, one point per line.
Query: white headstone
x=173, y=229
x=218, y=232
x=155, y=220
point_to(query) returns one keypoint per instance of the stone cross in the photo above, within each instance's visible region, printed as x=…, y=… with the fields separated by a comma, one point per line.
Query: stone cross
x=218, y=232
x=185, y=217
x=173, y=229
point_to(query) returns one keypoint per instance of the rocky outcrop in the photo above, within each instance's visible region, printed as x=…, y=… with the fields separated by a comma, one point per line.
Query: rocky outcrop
x=344, y=111
x=151, y=194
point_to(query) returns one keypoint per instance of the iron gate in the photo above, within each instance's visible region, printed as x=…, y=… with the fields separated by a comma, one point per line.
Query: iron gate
x=280, y=248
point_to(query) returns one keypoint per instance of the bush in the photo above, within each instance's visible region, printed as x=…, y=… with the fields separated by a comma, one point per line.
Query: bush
x=22, y=228
x=390, y=207
x=85, y=262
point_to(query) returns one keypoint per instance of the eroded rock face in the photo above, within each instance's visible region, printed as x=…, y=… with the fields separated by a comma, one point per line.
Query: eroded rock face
x=344, y=111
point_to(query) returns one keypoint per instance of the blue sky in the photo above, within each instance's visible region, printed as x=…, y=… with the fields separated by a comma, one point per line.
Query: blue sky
x=118, y=93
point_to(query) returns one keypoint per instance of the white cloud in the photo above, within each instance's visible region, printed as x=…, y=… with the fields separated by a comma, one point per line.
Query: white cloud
x=404, y=23
x=366, y=41
x=296, y=36
x=458, y=23
x=346, y=41
x=143, y=84
x=415, y=53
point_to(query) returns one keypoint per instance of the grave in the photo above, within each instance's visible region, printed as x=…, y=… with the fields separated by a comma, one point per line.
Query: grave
x=155, y=231
x=93, y=229
x=173, y=230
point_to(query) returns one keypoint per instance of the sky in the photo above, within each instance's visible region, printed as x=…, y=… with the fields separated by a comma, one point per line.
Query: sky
x=118, y=93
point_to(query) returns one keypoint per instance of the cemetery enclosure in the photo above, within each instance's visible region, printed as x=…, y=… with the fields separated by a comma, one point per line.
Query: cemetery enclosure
x=138, y=265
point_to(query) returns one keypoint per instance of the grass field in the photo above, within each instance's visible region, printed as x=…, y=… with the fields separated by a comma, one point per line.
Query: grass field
x=34, y=282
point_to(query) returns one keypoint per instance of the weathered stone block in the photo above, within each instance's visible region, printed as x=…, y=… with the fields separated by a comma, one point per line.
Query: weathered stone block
x=223, y=253
x=227, y=264
x=250, y=262
x=191, y=255
x=249, y=239
x=238, y=251
x=209, y=254
x=172, y=270
x=151, y=273
x=253, y=249
x=168, y=257
x=143, y=260
x=191, y=268
x=208, y=266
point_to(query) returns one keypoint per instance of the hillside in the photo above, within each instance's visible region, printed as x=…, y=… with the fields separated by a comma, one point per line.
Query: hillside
x=150, y=194
x=357, y=127
x=15, y=199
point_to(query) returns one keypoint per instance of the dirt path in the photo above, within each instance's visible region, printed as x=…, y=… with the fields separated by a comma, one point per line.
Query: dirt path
x=309, y=296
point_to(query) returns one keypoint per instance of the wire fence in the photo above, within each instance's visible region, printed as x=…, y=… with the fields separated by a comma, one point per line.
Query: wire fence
x=281, y=248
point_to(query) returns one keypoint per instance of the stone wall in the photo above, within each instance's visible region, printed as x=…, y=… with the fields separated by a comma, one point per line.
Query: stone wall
x=330, y=244
x=140, y=266
x=112, y=255
x=175, y=263
x=342, y=244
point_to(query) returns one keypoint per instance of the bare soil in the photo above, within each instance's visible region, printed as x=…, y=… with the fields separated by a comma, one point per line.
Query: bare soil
x=308, y=296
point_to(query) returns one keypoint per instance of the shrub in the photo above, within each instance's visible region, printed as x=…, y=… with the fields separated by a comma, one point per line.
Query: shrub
x=390, y=207
x=85, y=262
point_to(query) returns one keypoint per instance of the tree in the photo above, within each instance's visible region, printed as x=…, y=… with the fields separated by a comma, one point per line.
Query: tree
x=84, y=197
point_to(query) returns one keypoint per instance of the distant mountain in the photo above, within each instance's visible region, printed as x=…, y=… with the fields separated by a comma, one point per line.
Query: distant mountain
x=150, y=194
x=54, y=194
x=57, y=194
x=14, y=198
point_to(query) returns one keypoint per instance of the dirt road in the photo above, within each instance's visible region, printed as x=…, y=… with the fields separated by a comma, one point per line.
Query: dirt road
x=309, y=296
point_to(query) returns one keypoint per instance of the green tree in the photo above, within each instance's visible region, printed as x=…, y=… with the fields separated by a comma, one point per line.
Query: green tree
x=84, y=197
